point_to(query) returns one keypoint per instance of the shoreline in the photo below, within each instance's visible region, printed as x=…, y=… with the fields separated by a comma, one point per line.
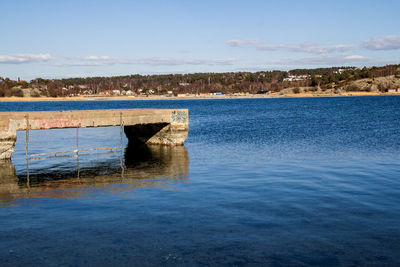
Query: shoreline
x=203, y=97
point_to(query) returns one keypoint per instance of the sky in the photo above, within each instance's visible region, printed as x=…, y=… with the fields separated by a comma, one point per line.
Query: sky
x=83, y=38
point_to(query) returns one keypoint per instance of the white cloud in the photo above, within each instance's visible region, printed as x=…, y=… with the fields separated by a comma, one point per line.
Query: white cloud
x=390, y=42
x=94, y=58
x=97, y=58
x=82, y=64
x=241, y=43
x=89, y=61
x=255, y=69
x=313, y=48
x=307, y=48
x=173, y=62
x=24, y=58
x=105, y=60
x=355, y=57
x=325, y=60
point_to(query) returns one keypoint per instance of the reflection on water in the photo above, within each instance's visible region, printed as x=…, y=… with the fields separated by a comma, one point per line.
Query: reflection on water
x=275, y=182
x=139, y=166
x=8, y=181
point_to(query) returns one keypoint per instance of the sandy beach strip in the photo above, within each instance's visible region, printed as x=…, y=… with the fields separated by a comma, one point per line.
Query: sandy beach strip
x=121, y=98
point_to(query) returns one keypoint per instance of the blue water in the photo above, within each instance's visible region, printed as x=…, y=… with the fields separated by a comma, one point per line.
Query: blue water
x=305, y=181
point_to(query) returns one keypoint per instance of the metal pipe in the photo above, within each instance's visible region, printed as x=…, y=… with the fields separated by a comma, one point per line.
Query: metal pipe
x=120, y=131
x=77, y=163
x=26, y=134
x=26, y=150
x=27, y=173
x=77, y=140
x=72, y=151
x=67, y=156
x=120, y=126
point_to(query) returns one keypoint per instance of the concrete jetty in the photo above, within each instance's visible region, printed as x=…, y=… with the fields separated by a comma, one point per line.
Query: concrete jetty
x=150, y=126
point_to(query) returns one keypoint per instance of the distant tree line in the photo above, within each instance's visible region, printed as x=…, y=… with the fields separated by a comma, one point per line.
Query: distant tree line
x=196, y=83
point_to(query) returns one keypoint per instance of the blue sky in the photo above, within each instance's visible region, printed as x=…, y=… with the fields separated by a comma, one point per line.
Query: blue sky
x=57, y=39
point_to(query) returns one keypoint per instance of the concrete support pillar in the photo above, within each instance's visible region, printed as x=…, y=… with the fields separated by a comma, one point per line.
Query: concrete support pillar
x=8, y=181
x=7, y=143
x=157, y=133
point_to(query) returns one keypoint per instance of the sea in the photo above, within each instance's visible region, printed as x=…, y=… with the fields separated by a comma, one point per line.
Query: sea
x=259, y=182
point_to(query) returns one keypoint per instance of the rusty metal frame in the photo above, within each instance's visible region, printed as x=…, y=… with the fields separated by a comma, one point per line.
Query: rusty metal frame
x=76, y=151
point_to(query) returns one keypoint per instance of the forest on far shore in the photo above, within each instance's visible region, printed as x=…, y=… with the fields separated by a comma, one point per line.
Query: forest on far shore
x=202, y=83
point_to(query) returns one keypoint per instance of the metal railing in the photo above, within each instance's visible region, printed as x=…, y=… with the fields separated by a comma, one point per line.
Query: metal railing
x=38, y=156
x=75, y=151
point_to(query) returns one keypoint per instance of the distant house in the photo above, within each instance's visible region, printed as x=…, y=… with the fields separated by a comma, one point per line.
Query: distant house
x=105, y=92
x=302, y=77
x=116, y=92
x=340, y=71
x=87, y=92
x=394, y=90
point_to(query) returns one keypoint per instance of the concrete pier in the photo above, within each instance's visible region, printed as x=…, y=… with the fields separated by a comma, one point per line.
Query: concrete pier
x=150, y=126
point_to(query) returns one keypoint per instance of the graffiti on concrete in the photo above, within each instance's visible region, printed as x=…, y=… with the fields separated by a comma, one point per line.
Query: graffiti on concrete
x=58, y=123
x=179, y=116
